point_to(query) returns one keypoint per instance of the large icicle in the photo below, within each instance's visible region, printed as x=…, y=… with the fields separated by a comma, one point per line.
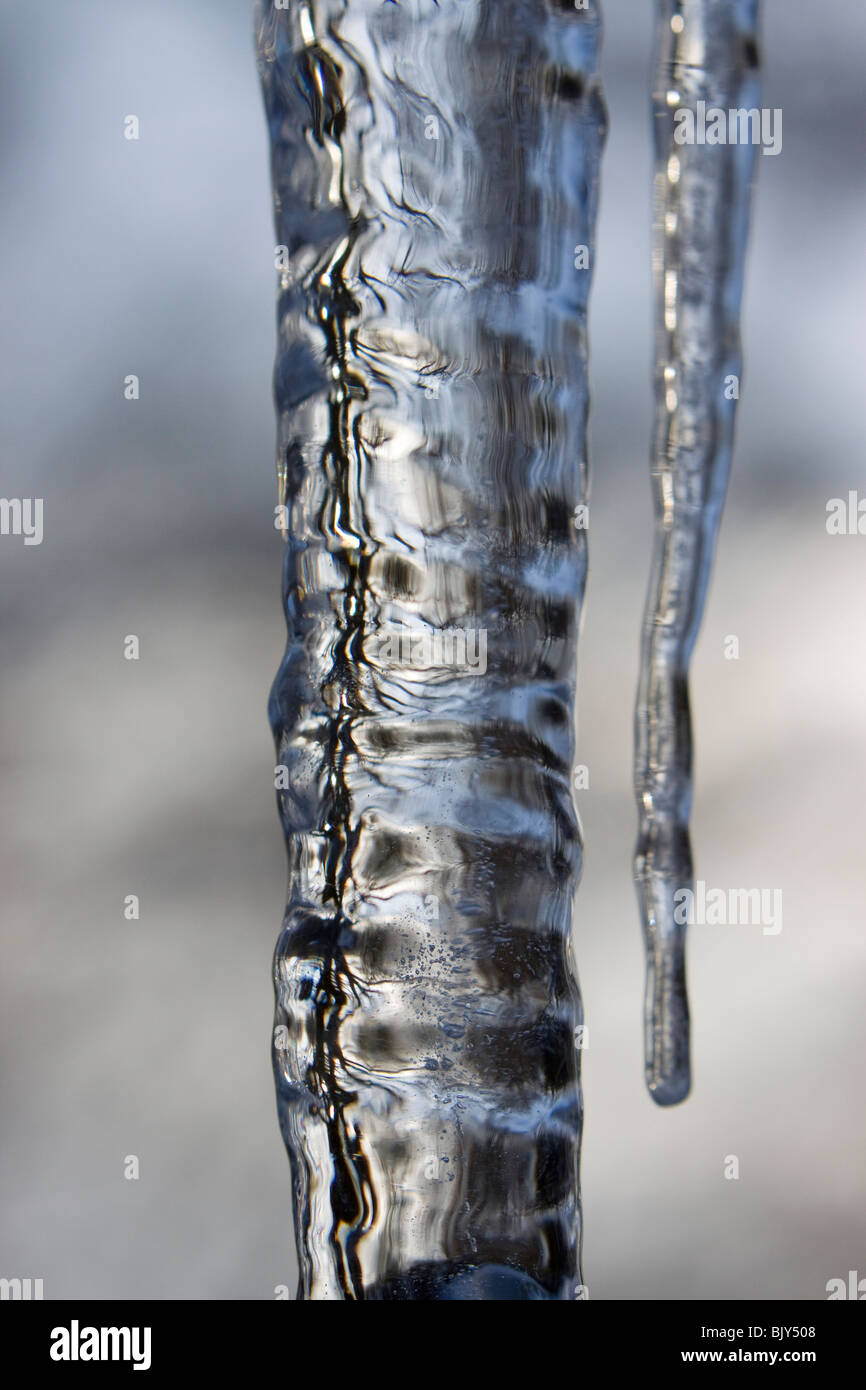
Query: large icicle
x=435, y=170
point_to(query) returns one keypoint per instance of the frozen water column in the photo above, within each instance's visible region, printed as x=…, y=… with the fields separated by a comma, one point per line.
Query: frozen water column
x=706, y=63
x=435, y=168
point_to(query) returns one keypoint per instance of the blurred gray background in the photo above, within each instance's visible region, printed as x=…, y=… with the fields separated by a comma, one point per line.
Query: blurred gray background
x=155, y=777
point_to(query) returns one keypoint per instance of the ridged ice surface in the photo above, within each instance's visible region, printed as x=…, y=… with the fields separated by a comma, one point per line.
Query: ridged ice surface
x=435, y=168
x=706, y=51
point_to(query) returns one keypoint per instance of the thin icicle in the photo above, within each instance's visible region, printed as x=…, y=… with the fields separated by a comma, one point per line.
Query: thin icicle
x=706, y=51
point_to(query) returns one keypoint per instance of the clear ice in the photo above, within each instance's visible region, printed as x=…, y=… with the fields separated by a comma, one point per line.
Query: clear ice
x=435, y=169
x=706, y=50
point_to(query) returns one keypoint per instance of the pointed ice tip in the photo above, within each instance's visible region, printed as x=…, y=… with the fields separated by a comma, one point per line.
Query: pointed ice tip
x=670, y=1090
